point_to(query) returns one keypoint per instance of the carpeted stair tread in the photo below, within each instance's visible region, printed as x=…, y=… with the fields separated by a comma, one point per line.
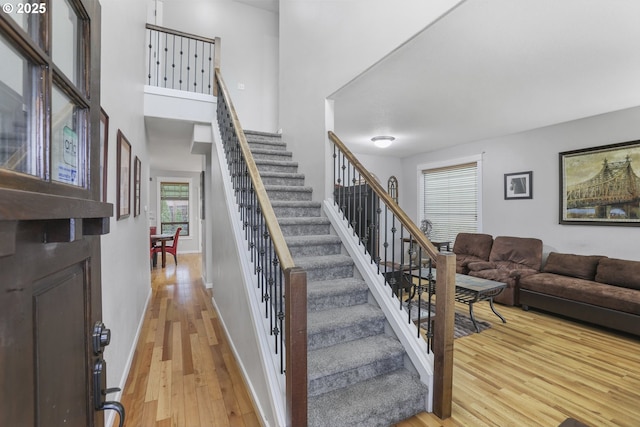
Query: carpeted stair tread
x=329, y=327
x=323, y=239
x=329, y=294
x=326, y=261
x=343, y=365
x=282, y=178
x=289, y=188
x=378, y=402
x=268, y=154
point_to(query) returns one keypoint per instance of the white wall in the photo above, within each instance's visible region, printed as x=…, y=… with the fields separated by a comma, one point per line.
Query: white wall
x=249, y=40
x=125, y=289
x=324, y=45
x=537, y=151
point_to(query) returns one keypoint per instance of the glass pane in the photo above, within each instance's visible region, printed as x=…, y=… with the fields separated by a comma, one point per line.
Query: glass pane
x=18, y=141
x=68, y=149
x=65, y=39
x=25, y=13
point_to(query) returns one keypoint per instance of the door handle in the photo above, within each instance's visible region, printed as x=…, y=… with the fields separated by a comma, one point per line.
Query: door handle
x=99, y=394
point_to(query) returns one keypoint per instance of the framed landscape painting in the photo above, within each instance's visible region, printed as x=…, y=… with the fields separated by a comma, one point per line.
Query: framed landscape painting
x=601, y=185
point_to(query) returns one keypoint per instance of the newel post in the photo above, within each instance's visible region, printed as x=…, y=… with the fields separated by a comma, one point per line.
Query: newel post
x=296, y=346
x=443, y=335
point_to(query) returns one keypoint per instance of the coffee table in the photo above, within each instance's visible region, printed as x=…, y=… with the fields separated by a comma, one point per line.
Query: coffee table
x=469, y=290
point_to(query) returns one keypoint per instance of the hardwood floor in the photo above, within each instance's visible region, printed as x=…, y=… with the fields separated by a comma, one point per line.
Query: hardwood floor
x=535, y=370
x=538, y=370
x=184, y=373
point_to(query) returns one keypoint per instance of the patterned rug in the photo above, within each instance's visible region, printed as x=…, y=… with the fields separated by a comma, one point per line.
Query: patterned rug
x=463, y=325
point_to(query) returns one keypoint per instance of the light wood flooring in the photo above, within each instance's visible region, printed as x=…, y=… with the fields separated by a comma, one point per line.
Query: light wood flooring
x=535, y=370
x=184, y=373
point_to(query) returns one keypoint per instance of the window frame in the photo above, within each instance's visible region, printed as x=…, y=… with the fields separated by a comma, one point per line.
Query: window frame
x=192, y=202
x=477, y=159
x=34, y=44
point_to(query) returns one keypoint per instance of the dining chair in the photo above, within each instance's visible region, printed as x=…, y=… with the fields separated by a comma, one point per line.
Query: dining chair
x=173, y=248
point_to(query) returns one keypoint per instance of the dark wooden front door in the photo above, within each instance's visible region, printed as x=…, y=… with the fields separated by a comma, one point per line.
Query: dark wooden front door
x=51, y=215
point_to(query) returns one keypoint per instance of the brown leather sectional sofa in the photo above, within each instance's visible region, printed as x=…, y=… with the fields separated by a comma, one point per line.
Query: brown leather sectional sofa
x=596, y=289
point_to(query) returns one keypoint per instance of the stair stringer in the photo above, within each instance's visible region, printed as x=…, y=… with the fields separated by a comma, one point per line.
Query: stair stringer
x=271, y=404
x=407, y=333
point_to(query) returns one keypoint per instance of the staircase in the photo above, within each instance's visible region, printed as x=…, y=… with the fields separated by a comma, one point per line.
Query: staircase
x=356, y=370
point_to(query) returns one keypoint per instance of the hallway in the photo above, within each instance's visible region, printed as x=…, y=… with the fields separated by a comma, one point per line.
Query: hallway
x=184, y=373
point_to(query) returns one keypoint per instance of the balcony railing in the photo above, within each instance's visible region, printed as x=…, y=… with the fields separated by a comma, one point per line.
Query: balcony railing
x=181, y=61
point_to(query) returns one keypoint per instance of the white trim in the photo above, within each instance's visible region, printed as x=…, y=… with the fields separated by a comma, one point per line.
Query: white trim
x=477, y=158
x=110, y=415
x=175, y=93
x=415, y=347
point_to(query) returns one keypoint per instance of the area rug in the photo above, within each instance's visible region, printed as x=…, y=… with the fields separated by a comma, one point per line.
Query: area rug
x=463, y=325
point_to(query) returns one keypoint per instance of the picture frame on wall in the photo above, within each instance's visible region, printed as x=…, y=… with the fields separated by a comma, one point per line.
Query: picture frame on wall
x=601, y=185
x=104, y=150
x=518, y=185
x=123, y=178
x=137, y=188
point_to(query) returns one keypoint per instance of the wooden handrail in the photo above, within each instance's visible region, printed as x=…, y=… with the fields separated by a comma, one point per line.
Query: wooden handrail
x=413, y=229
x=445, y=291
x=180, y=33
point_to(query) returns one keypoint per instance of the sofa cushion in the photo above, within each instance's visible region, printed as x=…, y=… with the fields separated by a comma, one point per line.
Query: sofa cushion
x=619, y=272
x=520, y=250
x=585, y=291
x=580, y=266
x=476, y=245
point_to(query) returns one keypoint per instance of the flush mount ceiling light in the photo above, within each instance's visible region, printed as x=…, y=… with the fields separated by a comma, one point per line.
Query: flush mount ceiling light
x=382, y=141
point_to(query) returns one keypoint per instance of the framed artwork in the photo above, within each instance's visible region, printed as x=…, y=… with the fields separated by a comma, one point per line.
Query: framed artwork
x=601, y=185
x=104, y=150
x=518, y=185
x=123, y=184
x=137, y=173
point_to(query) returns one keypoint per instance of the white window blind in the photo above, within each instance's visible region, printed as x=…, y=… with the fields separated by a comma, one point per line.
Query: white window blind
x=451, y=200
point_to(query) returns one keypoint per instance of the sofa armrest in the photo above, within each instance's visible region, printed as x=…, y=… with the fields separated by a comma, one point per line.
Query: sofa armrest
x=522, y=272
x=481, y=265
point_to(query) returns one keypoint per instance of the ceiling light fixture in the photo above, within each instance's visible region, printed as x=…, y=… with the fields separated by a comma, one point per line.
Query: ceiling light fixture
x=382, y=141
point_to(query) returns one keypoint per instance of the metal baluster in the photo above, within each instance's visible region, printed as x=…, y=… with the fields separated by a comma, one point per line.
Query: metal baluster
x=166, y=51
x=182, y=56
x=150, y=56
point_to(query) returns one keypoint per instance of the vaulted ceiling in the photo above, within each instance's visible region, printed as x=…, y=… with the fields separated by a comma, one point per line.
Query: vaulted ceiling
x=496, y=67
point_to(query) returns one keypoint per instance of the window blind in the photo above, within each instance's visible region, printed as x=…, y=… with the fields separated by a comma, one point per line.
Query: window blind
x=451, y=200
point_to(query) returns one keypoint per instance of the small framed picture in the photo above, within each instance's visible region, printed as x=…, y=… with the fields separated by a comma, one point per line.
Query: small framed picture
x=137, y=173
x=123, y=177
x=518, y=185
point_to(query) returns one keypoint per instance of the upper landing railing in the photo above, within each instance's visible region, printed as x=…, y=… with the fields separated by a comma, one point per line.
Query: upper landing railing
x=177, y=60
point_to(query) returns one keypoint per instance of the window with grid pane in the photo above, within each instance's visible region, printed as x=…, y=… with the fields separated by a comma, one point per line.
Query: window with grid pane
x=451, y=200
x=174, y=207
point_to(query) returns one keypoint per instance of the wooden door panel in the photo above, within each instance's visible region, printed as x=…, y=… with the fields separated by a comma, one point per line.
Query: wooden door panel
x=48, y=307
x=60, y=343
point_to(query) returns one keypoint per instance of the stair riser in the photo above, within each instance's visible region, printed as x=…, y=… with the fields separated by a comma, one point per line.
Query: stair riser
x=289, y=195
x=284, y=157
x=295, y=182
x=296, y=212
x=277, y=168
x=350, y=377
x=327, y=338
x=336, y=301
x=304, y=230
x=315, y=250
x=329, y=273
